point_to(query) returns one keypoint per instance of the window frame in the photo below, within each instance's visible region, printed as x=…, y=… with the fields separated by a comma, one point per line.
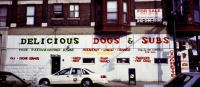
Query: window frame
x=55, y=11
x=59, y=73
x=125, y=13
x=5, y=16
x=112, y=20
x=99, y=13
x=74, y=11
x=76, y=70
x=28, y=16
x=197, y=11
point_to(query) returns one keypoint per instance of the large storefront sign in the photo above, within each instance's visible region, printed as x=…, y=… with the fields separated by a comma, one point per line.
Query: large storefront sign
x=110, y=54
x=41, y=42
x=148, y=15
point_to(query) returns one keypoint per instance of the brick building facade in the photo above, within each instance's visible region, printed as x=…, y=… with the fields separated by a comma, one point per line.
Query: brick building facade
x=147, y=20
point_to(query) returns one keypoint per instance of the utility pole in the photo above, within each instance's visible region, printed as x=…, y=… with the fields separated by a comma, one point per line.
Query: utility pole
x=174, y=39
x=198, y=54
x=173, y=15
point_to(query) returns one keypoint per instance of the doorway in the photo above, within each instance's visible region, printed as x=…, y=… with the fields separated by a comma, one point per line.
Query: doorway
x=55, y=64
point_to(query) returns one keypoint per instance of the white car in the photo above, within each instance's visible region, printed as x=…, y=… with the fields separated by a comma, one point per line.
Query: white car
x=82, y=76
x=189, y=79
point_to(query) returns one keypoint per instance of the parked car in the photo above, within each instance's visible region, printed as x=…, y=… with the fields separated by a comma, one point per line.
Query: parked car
x=188, y=79
x=82, y=76
x=8, y=79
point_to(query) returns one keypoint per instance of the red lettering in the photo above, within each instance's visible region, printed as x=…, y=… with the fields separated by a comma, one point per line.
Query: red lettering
x=33, y=58
x=116, y=40
x=151, y=40
x=23, y=58
x=12, y=58
x=158, y=40
x=103, y=40
x=96, y=40
x=166, y=40
x=147, y=60
x=172, y=75
x=110, y=40
x=144, y=40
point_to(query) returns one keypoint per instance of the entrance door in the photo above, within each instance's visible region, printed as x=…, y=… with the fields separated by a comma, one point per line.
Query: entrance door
x=55, y=64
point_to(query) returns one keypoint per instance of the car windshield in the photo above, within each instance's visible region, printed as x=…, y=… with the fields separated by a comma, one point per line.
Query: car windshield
x=88, y=70
x=179, y=81
x=11, y=80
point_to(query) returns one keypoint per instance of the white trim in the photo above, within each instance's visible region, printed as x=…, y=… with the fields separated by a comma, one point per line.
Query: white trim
x=44, y=25
x=73, y=19
x=13, y=25
x=31, y=2
x=57, y=18
x=133, y=23
x=92, y=23
x=6, y=2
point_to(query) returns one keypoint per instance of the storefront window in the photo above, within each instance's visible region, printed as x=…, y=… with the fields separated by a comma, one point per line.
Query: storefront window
x=123, y=60
x=160, y=60
x=88, y=60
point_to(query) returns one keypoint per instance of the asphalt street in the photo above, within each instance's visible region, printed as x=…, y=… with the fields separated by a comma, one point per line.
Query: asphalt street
x=115, y=84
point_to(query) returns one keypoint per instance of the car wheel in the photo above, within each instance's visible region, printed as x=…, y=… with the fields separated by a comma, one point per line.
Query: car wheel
x=86, y=83
x=44, y=82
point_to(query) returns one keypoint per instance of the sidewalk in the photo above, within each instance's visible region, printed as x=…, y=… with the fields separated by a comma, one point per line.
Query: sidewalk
x=126, y=84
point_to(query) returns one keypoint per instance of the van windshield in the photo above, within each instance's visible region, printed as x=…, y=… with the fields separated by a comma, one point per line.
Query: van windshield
x=179, y=81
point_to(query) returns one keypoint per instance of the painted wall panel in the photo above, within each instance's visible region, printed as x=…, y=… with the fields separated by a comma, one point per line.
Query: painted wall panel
x=123, y=42
x=141, y=58
x=129, y=41
x=137, y=41
x=88, y=41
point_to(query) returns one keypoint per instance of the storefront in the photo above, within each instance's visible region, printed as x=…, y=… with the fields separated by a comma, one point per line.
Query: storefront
x=150, y=54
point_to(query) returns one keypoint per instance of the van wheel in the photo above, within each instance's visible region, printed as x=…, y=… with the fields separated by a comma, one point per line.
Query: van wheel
x=86, y=83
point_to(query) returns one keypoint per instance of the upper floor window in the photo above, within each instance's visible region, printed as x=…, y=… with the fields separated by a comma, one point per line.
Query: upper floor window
x=30, y=13
x=58, y=11
x=196, y=4
x=99, y=13
x=112, y=12
x=74, y=10
x=125, y=12
x=3, y=16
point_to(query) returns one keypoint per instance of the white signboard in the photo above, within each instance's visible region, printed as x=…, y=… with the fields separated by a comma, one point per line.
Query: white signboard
x=91, y=41
x=148, y=15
